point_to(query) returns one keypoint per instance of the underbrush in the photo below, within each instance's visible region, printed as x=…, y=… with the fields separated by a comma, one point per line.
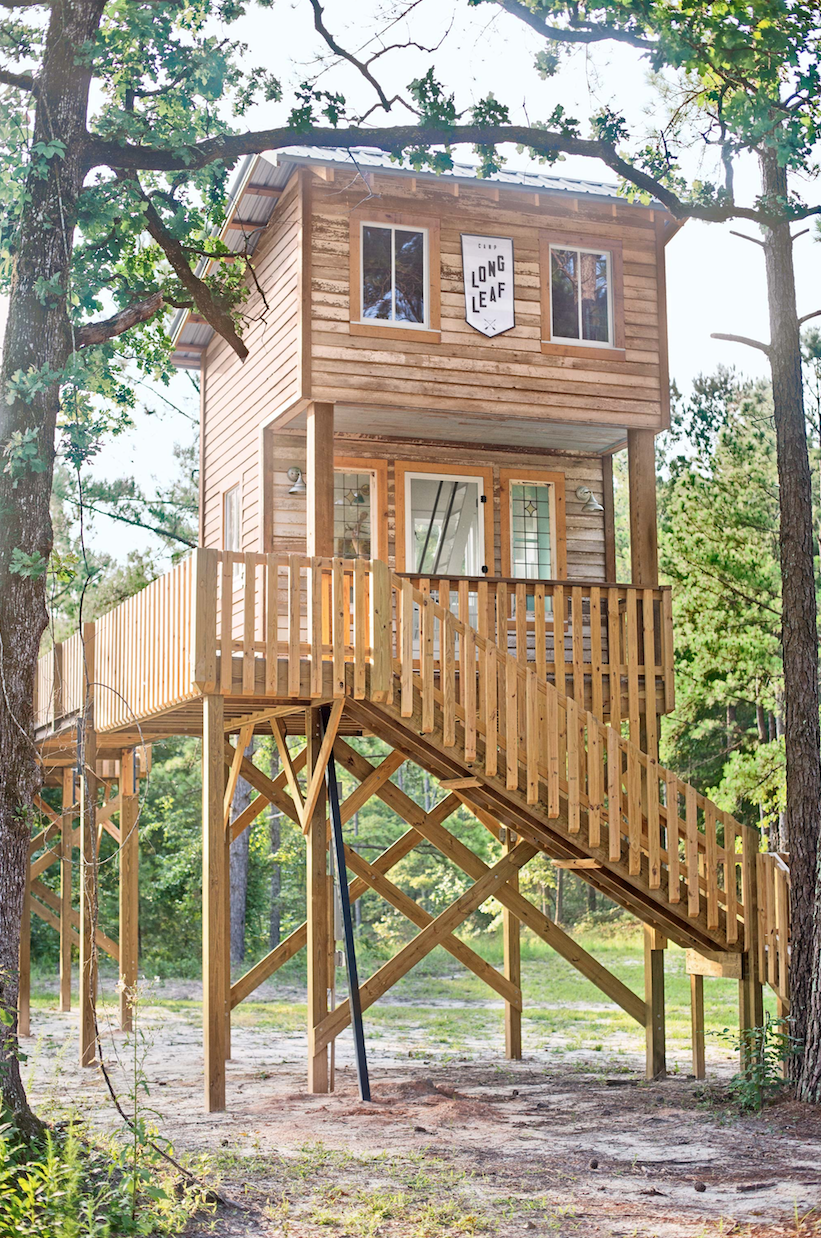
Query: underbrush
x=64, y=1187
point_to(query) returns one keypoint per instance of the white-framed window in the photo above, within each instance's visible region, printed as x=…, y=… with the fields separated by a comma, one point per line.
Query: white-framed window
x=581, y=296
x=532, y=530
x=232, y=528
x=444, y=528
x=394, y=275
x=353, y=514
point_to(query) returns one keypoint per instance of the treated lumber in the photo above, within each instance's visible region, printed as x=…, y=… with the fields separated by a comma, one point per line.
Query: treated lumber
x=88, y=872
x=697, y=1025
x=64, y=925
x=641, y=468
x=512, y=945
x=129, y=888
x=654, y=1000
x=215, y=999
x=320, y=764
x=317, y=888
x=319, y=479
x=426, y=940
x=52, y=901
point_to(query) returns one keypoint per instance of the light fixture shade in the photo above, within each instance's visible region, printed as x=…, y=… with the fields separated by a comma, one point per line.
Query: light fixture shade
x=591, y=503
x=295, y=476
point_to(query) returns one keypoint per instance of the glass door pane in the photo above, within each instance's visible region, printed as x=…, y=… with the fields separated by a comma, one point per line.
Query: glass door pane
x=444, y=529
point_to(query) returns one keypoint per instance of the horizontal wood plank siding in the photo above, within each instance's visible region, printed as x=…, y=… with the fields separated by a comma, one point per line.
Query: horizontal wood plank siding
x=240, y=396
x=508, y=374
x=585, y=532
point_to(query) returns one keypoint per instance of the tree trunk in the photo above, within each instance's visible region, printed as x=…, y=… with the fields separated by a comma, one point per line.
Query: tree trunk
x=275, y=835
x=799, y=636
x=37, y=344
x=238, y=865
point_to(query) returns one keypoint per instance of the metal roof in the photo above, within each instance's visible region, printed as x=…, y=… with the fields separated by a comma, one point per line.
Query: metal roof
x=260, y=178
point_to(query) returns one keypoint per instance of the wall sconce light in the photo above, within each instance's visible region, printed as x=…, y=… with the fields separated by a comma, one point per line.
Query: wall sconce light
x=295, y=476
x=591, y=503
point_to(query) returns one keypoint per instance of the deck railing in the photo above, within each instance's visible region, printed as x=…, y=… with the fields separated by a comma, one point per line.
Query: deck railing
x=774, y=923
x=607, y=633
x=289, y=626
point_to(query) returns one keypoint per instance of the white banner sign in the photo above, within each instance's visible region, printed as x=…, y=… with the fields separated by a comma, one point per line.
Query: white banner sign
x=487, y=265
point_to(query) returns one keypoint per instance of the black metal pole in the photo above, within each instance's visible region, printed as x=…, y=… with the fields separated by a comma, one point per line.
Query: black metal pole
x=347, y=924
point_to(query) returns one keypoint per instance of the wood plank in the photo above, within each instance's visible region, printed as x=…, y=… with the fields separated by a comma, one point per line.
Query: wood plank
x=573, y=788
x=288, y=768
x=614, y=789
x=697, y=1025
x=318, y=938
x=633, y=811
x=215, y=1006
x=512, y=962
x=361, y=625
x=317, y=781
x=672, y=839
x=653, y=823
x=691, y=853
x=129, y=893
x=595, y=780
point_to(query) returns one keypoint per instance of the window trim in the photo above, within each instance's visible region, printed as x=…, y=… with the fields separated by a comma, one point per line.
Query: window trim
x=430, y=332
x=508, y=477
x=238, y=574
x=378, y=470
x=445, y=469
x=615, y=350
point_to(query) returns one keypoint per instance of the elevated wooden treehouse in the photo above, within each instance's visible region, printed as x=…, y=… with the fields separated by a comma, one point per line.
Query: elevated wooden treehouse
x=407, y=531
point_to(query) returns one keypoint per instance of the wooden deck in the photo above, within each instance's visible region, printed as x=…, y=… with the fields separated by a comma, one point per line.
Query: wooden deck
x=452, y=679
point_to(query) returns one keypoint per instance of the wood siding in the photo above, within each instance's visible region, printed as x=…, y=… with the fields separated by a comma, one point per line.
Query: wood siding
x=509, y=374
x=585, y=532
x=239, y=397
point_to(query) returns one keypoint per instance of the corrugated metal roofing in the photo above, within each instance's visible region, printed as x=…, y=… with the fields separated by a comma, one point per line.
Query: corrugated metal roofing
x=273, y=170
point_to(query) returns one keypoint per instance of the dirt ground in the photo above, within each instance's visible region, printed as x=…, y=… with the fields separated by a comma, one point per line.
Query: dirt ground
x=453, y=1144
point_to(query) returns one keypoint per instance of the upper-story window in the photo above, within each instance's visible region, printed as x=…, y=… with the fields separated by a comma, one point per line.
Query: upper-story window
x=395, y=271
x=580, y=296
x=352, y=514
x=395, y=274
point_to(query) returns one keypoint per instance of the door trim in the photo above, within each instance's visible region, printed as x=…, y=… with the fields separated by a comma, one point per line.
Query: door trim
x=403, y=467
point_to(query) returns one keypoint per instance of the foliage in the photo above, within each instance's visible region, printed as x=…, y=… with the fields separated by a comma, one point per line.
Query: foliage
x=764, y=1051
x=65, y=1188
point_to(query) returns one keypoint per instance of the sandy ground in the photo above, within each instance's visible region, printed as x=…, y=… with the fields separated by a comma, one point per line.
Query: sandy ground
x=556, y=1144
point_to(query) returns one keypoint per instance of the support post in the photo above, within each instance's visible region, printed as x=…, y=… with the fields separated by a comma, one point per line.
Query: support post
x=215, y=994
x=88, y=861
x=319, y=480
x=317, y=916
x=512, y=961
x=750, y=988
x=641, y=464
x=347, y=923
x=129, y=885
x=66, y=848
x=697, y=1024
x=654, y=945
x=24, y=963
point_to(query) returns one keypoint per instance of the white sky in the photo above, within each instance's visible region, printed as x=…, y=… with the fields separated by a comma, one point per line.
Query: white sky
x=715, y=282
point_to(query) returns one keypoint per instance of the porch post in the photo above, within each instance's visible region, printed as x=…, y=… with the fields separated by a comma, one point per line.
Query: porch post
x=512, y=962
x=88, y=864
x=214, y=987
x=129, y=885
x=654, y=944
x=319, y=480
x=641, y=465
x=318, y=891
x=66, y=855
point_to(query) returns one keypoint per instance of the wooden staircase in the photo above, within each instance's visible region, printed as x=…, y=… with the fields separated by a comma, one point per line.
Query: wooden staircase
x=525, y=754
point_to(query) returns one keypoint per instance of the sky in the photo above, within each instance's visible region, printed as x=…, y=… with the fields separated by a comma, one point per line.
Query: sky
x=715, y=281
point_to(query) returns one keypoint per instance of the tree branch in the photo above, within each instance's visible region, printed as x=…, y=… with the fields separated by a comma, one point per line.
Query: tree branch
x=573, y=34
x=743, y=236
x=201, y=294
x=139, y=524
x=20, y=81
x=338, y=50
x=98, y=332
x=807, y=317
x=228, y=148
x=743, y=339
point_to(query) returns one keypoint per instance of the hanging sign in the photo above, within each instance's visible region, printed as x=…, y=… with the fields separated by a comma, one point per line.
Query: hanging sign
x=487, y=266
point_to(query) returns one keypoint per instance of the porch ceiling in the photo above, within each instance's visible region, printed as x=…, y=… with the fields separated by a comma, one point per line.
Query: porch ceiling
x=371, y=420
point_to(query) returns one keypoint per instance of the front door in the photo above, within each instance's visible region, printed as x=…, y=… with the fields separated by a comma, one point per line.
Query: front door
x=443, y=528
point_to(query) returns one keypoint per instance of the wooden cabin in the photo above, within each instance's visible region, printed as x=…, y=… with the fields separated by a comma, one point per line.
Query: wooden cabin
x=407, y=530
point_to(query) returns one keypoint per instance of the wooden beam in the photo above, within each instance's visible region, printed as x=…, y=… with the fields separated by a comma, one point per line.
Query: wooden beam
x=512, y=945
x=289, y=770
x=609, y=519
x=576, y=864
x=426, y=940
x=458, y=784
x=317, y=907
x=214, y=989
x=88, y=871
x=641, y=464
x=654, y=1001
x=129, y=887
x=243, y=741
x=271, y=789
x=66, y=845
x=319, y=479
x=697, y=1025
x=52, y=900
x=505, y=986
x=317, y=781
x=259, y=718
